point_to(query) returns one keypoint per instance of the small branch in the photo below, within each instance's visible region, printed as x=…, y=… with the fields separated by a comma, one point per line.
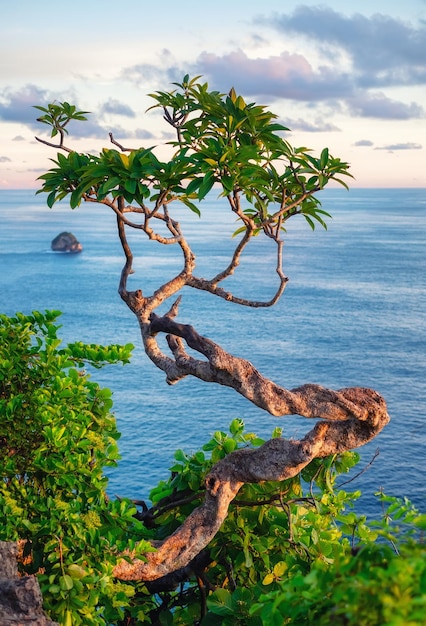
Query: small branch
x=249, y=224
x=293, y=205
x=209, y=285
x=59, y=146
x=174, y=309
x=122, y=148
x=369, y=464
x=127, y=269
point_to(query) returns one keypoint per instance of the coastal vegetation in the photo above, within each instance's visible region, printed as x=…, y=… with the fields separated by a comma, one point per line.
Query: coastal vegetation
x=243, y=531
x=289, y=552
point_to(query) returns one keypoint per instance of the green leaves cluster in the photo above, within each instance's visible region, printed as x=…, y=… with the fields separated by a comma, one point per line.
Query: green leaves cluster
x=58, y=115
x=220, y=140
x=377, y=582
x=57, y=434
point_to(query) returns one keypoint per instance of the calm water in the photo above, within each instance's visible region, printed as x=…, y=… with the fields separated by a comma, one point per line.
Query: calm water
x=353, y=314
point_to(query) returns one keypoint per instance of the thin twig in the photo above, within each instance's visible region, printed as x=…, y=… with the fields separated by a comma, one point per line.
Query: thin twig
x=122, y=148
x=376, y=454
x=59, y=146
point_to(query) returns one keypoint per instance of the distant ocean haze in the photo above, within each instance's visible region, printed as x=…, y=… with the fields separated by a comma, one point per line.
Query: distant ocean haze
x=353, y=314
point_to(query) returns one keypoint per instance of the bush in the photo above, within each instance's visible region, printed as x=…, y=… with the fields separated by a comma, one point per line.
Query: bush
x=56, y=436
x=374, y=584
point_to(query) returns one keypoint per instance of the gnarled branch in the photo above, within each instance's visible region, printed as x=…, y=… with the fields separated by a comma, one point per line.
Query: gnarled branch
x=353, y=416
x=276, y=460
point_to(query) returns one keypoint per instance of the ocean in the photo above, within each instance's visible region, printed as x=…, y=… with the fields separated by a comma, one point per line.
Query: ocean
x=353, y=314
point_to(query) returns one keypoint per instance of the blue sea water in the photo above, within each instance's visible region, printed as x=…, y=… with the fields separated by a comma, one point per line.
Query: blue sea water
x=353, y=314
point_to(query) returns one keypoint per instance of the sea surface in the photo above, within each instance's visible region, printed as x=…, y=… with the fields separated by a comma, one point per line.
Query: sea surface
x=353, y=314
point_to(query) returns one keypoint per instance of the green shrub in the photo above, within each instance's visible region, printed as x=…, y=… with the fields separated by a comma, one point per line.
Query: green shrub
x=379, y=583
x=296, y=552
x=56, y=437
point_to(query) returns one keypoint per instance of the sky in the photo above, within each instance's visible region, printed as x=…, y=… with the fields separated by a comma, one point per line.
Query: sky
x=347, y=75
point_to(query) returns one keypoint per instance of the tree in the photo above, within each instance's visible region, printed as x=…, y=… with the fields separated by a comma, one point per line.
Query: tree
x=221, y=141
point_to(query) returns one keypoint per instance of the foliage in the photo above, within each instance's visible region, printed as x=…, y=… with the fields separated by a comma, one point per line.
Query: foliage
x=56, y=436
x=289, y=553
x=375, y=583
x=294, y=552
x=221, y=139
x=58, y=116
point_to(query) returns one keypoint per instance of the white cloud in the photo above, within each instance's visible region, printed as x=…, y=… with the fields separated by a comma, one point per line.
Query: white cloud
x=378, y=105
x=317, y=126
x=384, y=50
x=284, y=76
x=401, y=146
x=363, y=143
x=115, y=107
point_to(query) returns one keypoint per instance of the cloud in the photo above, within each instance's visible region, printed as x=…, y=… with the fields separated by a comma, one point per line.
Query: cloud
x=383, y=50
x=357, y=54
x=284, y=76
x=18, y=106
x=363, y=142
x=115, y=107
x=141, y=133
x=318, y=126
x=378, y=105
x=5, y=159
x=161, y=73
x=291, y=76
x=401, y=146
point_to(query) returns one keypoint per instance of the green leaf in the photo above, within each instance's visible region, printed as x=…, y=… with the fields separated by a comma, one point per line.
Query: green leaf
x=76, y=571
x=206, y=185
x=190, y=205
x=229, y=445
x=324, y=158
x=66, y=582
x=193, y=185
x=237, y=426
x=220, y=602
x=130, y=185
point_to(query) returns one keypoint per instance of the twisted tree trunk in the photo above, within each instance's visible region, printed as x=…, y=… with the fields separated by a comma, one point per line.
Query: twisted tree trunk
x=352, y=417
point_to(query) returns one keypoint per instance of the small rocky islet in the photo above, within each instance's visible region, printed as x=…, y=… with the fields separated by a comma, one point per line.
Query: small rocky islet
x=66, y=242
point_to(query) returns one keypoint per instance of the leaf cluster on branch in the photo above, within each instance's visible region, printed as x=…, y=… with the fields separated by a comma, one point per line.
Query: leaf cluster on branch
x=224, y=143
